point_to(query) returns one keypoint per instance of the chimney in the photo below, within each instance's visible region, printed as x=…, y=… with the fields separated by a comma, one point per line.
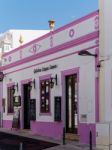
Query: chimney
x=51, y=24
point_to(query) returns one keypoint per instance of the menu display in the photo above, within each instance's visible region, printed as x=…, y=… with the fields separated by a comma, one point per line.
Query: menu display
x=57, y=110
x=32, y=109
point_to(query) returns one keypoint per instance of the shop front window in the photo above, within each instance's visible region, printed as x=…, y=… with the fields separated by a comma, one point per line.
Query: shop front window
x=44, y=96
x=10, y=96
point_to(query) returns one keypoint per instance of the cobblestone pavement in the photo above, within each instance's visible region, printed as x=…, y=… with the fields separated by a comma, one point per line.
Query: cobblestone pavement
x=71, y=146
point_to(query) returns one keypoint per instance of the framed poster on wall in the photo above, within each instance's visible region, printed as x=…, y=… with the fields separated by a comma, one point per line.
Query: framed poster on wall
x=32, y=109
x=57, y=108
x=16, y=119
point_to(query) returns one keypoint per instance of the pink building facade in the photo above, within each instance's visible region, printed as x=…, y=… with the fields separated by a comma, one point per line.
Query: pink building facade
x=57, y=87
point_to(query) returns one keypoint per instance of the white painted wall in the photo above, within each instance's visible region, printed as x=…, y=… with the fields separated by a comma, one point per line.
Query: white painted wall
x=27, y=35
x=86, y=70
x=106, y=55
x=59, y=54
x=104, y=135
x=58, y=39
x=12, y=37
x=104, y=128
x=86, y=86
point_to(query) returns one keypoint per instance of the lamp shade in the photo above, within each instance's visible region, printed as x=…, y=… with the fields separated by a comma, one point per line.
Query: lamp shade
x=86, y=53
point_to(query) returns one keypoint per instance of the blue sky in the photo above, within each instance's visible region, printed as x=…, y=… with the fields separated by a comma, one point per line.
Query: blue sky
x=34, y=14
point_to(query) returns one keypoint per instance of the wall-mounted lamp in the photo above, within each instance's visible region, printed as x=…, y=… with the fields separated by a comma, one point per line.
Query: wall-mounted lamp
x=86, y=53
x=51, y=24
x=15, y=87
x=53, y=80
x=32, y=84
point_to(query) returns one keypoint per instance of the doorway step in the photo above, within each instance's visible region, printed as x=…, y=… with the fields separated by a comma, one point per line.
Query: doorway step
x=71, y=136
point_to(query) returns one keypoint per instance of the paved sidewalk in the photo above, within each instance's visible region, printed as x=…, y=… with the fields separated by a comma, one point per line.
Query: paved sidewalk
x=70, y=145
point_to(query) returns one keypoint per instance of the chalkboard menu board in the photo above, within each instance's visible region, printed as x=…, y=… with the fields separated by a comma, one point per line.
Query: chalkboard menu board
x=57, y=108
x=16, y=119
x=32, y=109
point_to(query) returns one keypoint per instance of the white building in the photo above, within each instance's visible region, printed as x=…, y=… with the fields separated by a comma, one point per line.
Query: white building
x=76, y=61
x=54, y=60
x=104, y=127
x=11, y=38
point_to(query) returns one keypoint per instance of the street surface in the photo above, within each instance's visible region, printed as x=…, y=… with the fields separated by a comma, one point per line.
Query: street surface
x=15, y=142
x=24, y=140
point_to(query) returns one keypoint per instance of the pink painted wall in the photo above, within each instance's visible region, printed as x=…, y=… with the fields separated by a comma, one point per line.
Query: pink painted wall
x=84, y=130
x=7, y=124
x=48, y=129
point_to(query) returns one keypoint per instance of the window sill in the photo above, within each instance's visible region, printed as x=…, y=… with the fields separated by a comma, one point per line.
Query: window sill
x=45, y=114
